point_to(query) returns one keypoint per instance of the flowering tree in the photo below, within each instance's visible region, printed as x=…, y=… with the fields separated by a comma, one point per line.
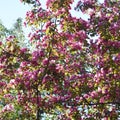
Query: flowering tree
x=73, y=73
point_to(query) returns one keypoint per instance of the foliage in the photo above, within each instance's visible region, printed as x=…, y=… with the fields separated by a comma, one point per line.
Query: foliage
x=74, y=72
x=16, y=31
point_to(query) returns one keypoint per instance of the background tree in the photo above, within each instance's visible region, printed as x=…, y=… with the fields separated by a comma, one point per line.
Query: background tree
x=17, y=31
x=73, y=73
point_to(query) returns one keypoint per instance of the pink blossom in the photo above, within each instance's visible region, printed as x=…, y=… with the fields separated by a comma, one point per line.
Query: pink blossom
x=8, y=107
x=102, y=100
x=23, y=64
x=23, y=50
x=45, y=61
x=94, y=94
x=9, y=96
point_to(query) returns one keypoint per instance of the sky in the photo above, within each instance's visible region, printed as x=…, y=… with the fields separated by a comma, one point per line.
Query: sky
x=10, y=11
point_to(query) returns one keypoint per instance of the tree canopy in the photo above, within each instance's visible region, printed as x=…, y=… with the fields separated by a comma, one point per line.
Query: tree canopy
x=74, y=71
